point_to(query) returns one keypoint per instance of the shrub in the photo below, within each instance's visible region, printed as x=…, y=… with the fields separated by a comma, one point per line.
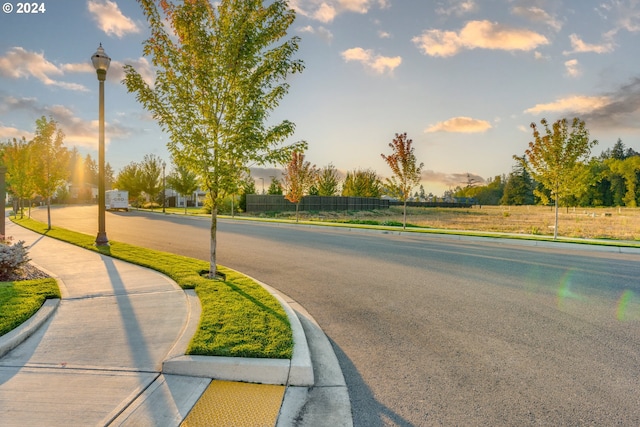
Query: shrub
x=12, y=257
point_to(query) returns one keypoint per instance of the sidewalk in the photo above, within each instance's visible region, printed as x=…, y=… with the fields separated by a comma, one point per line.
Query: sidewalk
x=98, y=358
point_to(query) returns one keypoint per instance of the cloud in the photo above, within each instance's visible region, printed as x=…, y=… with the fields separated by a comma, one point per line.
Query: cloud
x=20, y=63
x=616, y=110
x=625, y=14
x=458, y=8
x=574, y=104
x=377, y=63
x=78, y=131
x=451, y=180
x=9, y=133
x=478, y=35
x=538, y=15
x=580, y=46
x=141, y=65
x=320, y=31
x=573, y=68
x=621, y=111
x=325, y=11
x=110, y=18
x=384, y=34
x=460, y=125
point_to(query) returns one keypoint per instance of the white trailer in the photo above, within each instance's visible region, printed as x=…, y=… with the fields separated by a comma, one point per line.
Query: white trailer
x=116, y=199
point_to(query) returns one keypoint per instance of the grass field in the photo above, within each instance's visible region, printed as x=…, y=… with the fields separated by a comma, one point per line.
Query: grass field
x=599, y=223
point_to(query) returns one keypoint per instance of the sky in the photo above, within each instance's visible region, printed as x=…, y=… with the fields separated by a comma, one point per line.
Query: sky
x=463, y=78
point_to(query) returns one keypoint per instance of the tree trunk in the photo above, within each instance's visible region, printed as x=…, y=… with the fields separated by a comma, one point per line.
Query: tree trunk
x=404, y=216
x=214, y=229
x=555, y=227
x=49, y=213
x=297, y=207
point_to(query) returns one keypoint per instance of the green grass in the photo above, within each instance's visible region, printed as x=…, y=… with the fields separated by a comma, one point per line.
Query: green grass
x=239, y=317
x=20, y=300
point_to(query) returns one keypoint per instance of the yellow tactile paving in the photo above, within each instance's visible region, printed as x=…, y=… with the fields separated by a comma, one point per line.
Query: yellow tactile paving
x=233, y=404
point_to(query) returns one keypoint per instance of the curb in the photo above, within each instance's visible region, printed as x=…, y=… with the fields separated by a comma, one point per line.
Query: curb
x=298, y=371
x=17, y=336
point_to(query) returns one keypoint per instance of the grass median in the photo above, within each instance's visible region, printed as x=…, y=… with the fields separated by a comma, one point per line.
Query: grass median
x=239, y=317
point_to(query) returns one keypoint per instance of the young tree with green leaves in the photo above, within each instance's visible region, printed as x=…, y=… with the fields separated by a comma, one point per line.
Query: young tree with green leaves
x=628, y=169
x=556, y=159
x=299, y=176
x=248, y=187
x=184, y=182
x=275, y=187
x=328, y=181
x=220, y=70
x=151, y=176
x=50, y=160
x=16, y=156
x=129, y=179
x=406, y=171
x=362, y=183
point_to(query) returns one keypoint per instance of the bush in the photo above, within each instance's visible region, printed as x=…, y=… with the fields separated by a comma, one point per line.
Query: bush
x=12, y=258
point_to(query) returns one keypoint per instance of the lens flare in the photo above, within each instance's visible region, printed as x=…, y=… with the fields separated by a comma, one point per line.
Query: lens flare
x=623, y=303
x=564, y=291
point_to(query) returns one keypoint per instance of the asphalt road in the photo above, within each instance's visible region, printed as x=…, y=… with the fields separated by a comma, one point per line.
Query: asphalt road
x=435, y=330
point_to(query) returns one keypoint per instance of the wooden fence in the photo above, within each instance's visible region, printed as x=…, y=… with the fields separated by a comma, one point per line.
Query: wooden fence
x=275, y=203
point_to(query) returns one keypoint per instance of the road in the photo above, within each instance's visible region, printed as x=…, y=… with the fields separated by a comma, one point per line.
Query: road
x=436, y=330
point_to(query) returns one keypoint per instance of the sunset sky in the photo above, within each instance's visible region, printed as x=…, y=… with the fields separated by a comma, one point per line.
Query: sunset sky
x=464, y=79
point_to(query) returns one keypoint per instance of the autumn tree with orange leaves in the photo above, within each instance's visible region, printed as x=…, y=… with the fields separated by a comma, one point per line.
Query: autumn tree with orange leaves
x=406, y=171
x=299, y=176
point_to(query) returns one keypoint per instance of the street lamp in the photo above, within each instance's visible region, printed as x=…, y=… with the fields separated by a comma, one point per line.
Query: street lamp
x=101, y=63
x=164, y=187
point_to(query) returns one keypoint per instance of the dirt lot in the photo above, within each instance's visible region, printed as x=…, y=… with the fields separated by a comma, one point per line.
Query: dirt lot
x=603, y=223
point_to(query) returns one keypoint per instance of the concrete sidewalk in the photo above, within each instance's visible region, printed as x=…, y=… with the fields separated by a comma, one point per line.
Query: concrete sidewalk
x=111, y=353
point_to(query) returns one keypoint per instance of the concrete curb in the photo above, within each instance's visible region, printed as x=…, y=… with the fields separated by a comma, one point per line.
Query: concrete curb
x=14, y=338
x=295, y=372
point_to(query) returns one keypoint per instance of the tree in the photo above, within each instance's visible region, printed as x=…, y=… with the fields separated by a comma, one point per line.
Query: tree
x=16, y=156
x=220, y=71
x=299, y=176
x=50, y=160
x=627, y=169
x=275, y=188
x=556, y=159
x=183, y=181
x=518, y=190
x=406, y=171
x=90, y=170
x=327, y=181
x=128, y=179
x=109, y=179
x=151, y=176
x=362, y=183
x=248, y=187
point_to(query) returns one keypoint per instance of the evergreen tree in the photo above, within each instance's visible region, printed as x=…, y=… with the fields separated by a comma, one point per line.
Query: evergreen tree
x=518, y=190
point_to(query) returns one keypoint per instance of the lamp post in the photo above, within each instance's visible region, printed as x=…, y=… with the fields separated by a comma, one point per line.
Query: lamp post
x=101, y=63
x=164, y=188
x=262, y=179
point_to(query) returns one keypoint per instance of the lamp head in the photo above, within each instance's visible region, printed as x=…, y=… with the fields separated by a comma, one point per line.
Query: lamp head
x=101, y=62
